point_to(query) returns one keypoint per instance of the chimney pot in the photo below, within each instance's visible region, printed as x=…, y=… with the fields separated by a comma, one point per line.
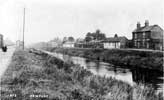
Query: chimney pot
x=146, y=23
x=138, y=25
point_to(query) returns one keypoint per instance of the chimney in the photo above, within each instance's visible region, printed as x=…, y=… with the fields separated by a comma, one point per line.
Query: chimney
x=138, y=25
x=146, y=23
x=115, y=36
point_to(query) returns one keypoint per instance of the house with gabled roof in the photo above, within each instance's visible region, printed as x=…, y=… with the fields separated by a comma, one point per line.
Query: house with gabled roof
x=148, y=36
x=115, y=42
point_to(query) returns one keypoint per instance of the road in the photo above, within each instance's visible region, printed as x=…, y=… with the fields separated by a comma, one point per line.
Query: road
x=5, y=58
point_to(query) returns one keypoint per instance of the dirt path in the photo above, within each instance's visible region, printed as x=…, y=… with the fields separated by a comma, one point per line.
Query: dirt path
x=5, y=58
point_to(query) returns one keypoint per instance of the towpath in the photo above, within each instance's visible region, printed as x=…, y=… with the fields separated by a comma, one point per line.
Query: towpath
x=5, y=58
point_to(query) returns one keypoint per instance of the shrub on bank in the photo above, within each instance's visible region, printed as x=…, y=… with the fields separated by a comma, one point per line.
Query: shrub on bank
x=129, y=58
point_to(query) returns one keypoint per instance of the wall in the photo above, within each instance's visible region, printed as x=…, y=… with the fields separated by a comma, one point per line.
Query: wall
x=68, y=45
x=110, y=45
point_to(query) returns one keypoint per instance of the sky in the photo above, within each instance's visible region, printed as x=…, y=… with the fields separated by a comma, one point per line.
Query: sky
x=47, y=19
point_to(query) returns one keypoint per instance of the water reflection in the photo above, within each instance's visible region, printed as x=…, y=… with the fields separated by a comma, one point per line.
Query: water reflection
x=149, y=77
x=131, y=76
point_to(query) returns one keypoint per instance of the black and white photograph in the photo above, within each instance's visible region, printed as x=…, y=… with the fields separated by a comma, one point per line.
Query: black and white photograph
x=81, y=49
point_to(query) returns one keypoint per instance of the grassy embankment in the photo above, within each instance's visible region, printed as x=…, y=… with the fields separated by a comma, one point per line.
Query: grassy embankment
x=36, y=75
x=125, y=58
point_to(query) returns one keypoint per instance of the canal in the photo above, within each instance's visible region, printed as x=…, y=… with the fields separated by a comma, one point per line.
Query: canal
x=126, y=74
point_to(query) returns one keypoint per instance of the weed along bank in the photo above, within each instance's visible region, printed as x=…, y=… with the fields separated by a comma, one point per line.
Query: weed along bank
x=119, y=57
x=51, y=78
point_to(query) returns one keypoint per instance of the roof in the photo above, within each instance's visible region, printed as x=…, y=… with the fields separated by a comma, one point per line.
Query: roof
x=145, y=28
x=69, y=42
x=95, y=41
x=115, y=39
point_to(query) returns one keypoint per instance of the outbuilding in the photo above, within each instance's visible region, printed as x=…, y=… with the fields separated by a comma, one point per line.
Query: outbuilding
x=115, y=42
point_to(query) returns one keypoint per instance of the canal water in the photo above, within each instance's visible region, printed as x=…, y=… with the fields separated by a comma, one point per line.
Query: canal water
x=131, y=76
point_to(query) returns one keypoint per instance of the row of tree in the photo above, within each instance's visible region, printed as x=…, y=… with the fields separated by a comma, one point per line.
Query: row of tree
x=71, y=39
x=97, y=35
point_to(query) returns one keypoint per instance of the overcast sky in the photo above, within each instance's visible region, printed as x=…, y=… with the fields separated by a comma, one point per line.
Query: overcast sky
x=47, y=19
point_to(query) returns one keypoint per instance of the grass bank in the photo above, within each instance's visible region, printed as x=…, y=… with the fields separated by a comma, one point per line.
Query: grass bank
x=34, y=75
x=126, y=58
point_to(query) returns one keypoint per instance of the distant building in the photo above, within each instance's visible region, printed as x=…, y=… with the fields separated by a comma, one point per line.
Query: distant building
x=69, y=44
x=115, y=42
x=1, y=40
x=148, y=36
x=19, y=44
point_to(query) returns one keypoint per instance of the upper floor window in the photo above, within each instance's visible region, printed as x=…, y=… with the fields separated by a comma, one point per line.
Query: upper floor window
x=135, y=36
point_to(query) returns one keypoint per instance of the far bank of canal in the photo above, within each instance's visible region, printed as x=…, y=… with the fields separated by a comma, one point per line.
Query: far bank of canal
x=127, y=74
x=120, y=57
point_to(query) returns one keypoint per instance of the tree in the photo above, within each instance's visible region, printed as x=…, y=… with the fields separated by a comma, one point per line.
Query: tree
x=88, y=39
x=64, y=39
x=115, y=35
x=97, y=31
x=95, y=36
x=89, y=34
x=99, y=35
x=71, y=39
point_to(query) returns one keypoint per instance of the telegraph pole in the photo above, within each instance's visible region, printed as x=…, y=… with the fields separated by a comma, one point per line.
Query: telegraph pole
x=23, y=25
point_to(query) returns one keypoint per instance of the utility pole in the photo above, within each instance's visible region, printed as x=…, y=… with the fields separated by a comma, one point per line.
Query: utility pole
x=23, y=26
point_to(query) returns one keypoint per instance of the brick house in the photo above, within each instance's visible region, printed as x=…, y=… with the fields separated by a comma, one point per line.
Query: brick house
x=115, y=42
x=148, y=36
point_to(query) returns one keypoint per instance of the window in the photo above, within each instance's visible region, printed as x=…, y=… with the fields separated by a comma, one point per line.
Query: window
x=138, y=44
x=135, y=35
x=135, y=43
x=143, y=34
x=143, y=43
x=147, y=45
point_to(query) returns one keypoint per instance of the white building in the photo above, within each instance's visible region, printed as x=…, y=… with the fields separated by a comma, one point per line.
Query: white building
x=110, y=45
x=69, y=44
x=115, y=42
x=19, y=43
